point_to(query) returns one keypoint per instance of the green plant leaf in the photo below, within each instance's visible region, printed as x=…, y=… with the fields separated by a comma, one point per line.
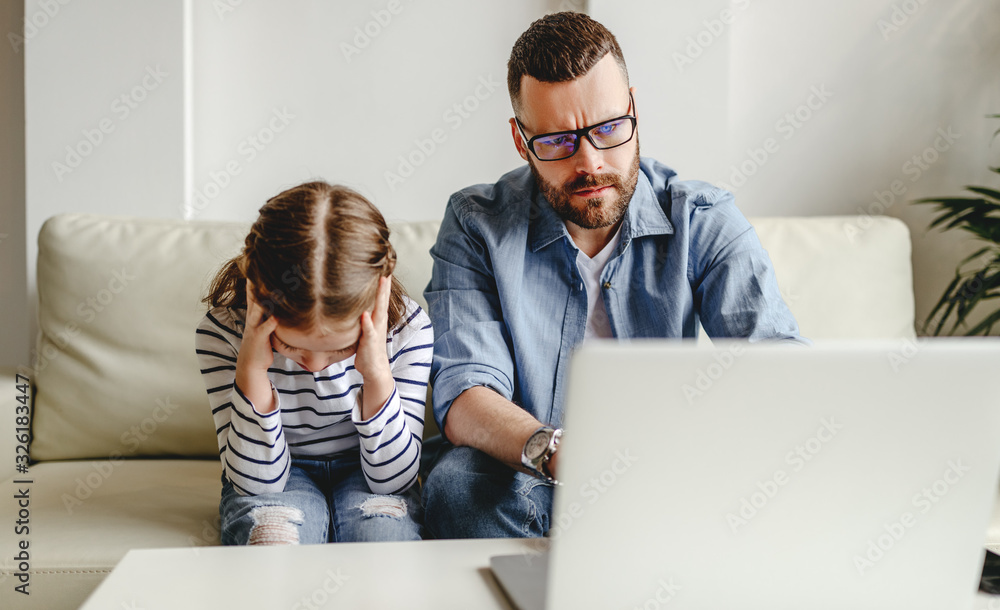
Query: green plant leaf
x=944, y=296
x=976, y=255
x=986, y=229
x=948, y=207
x=970, y=217
x=986, y=325
x=980, y=217
x=972, y=292
x=944, y=318
x=945, y=299
x=947, y=201
x=984, y=191
x=951, y=207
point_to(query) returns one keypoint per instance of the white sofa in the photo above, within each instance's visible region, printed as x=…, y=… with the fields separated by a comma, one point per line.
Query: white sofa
x=124, y=452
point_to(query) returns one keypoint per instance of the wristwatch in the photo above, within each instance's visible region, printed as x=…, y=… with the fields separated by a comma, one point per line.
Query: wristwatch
x=538, y=450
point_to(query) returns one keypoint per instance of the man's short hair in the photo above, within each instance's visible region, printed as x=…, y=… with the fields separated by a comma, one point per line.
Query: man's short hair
x=558, y=48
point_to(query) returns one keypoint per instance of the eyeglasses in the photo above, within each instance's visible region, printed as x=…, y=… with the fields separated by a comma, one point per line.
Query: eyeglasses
x=564, y=144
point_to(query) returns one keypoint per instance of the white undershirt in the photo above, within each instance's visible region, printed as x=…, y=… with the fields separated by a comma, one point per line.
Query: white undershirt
x=598, y=324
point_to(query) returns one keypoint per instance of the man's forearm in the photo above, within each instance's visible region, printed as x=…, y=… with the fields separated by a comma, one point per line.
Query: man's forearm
x=487, y=421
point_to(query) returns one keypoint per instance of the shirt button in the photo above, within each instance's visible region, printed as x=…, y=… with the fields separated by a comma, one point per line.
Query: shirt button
x=607, y=285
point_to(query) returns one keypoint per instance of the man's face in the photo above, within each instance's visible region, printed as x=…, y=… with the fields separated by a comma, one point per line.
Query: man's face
x=592, y=188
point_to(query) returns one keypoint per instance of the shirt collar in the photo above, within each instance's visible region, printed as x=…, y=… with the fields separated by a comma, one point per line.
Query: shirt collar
x=644, y=216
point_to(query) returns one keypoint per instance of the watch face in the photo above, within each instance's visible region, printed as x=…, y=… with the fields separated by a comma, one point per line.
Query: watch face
x=536, y=445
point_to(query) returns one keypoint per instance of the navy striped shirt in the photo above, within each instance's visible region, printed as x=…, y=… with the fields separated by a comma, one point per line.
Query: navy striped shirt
x=318, y=414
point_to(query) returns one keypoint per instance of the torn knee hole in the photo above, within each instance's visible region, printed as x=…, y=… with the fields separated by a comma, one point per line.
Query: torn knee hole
x=384, y=506
x=275, y=525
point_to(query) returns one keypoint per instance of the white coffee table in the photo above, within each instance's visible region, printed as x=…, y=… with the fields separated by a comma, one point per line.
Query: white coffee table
x=414, y=575
x=428, y=574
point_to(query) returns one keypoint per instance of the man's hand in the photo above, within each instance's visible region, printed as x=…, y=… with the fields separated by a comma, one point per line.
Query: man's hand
x=371, y=359
x=255, y=355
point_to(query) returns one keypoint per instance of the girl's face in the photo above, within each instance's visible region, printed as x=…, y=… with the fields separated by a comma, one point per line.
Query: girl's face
x=316, y=349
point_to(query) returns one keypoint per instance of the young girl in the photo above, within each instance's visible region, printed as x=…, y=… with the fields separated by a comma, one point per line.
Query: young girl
x=316, y=364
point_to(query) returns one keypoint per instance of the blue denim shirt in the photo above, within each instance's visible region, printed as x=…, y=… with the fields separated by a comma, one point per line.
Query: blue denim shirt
x=508, y=303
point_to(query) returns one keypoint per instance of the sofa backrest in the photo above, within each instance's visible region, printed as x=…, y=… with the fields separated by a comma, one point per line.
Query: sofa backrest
x=115, y=370
x=119, y=298
x=843, y=277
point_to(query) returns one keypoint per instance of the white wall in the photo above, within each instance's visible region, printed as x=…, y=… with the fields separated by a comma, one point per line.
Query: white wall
x=321, y=100
x=104, y=90
x=230, y=101
x=363, y=84
x=889, y=73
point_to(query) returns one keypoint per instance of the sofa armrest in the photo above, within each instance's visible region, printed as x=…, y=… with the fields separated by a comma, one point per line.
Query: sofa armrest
x=8, y=412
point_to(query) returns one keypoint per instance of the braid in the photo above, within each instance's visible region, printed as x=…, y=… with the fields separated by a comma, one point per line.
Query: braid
x=388, y=262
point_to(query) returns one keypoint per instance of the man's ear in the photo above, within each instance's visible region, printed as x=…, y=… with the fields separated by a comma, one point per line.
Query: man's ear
x=518, y=140
x=635, y=104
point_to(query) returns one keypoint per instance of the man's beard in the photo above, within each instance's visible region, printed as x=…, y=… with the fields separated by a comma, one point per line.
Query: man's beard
x=593, y=215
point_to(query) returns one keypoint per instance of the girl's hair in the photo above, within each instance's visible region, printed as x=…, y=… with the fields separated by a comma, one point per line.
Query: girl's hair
x=315, y=253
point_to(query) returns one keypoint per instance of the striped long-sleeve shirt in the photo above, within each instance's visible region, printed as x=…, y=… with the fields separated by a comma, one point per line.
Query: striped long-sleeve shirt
x=318, y=415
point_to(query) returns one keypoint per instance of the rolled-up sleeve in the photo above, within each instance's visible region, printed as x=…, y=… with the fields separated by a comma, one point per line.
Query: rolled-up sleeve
x=472, y=345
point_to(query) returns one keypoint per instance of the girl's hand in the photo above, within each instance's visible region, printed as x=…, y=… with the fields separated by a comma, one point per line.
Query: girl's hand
x=371, y=359
x=255, y=355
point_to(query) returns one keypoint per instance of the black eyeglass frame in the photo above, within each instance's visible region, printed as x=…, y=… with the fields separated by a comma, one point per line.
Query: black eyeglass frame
x=581, y=133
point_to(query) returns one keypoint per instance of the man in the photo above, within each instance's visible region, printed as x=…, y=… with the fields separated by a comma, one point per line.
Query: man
x=587, y=241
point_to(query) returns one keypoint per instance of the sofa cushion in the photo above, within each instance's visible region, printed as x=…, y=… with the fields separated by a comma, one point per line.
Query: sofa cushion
x=843, y=277
x=116, y=372
x=85, y=515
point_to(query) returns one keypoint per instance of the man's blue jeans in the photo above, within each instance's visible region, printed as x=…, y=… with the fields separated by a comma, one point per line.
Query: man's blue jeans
x=323, y=501
x=468, y=494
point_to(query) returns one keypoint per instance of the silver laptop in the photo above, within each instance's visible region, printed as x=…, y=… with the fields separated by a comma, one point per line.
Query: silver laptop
x=854, y=475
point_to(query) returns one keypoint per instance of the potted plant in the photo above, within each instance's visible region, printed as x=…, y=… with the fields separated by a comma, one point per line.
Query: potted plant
x=977, y=278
